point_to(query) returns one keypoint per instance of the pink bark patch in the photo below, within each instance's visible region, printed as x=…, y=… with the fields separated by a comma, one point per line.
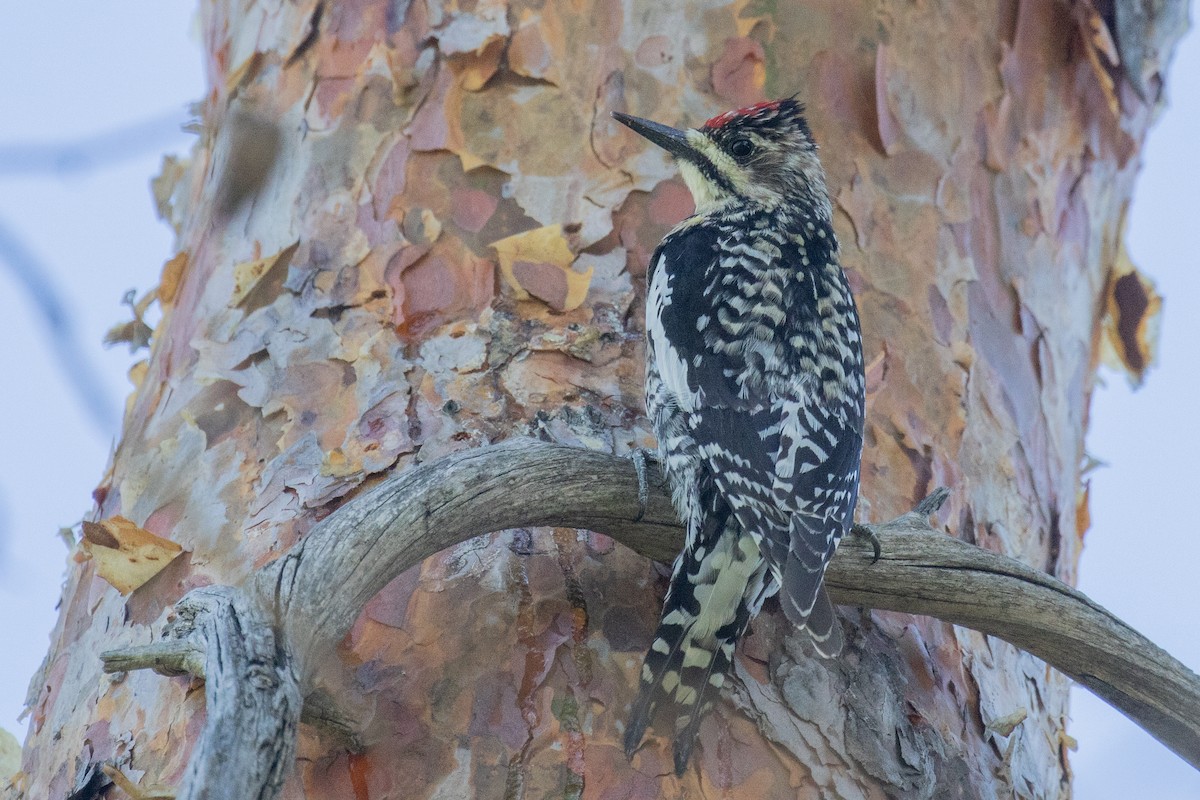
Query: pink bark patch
x=429, y=130
x=434, y=288
x=331, y=95
x=670, y=204
x=890, y=130
x=429, y=285
x=98, y=741
x=377, y=227
x=390, y=606
x=546, y=282
x=654, y=51
x=163, y=520
x=472, y=208
x=739, y=74
x=848, y=92
x=390, y=178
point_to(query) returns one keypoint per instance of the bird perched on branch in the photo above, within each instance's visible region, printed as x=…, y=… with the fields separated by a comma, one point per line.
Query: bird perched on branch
x=755, y=390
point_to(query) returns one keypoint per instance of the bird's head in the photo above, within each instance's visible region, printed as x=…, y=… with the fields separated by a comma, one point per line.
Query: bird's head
x=762, y=154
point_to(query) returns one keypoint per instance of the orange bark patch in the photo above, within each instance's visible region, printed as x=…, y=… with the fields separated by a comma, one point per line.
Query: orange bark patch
x=247, y=275
x=125, y=555
x=474, y=70
x=172, y=273
x=1131, y=321
x=528, y=53
x=360, y=771
x=537, y=263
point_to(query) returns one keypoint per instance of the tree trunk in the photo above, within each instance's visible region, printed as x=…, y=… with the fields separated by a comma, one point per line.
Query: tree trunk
x=411, y=228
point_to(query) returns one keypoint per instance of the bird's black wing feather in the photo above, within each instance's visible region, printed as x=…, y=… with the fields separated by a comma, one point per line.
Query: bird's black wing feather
x=783, y=453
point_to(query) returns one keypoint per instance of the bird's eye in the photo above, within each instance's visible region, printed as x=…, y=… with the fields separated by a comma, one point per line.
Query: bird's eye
x=741, y=148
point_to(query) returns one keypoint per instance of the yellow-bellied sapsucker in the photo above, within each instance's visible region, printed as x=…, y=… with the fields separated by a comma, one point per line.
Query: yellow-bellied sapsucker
x=755, y=390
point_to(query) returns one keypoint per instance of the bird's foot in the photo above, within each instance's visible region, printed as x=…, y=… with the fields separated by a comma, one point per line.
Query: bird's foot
x=918, y=517
x=865, y=532
x=641, y=465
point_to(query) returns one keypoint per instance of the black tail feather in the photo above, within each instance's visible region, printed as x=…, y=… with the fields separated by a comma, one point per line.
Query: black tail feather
x=823, y=627
x=693, y=647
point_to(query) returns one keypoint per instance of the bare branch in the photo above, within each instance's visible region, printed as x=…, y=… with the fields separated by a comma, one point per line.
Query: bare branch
x=316, y=591
x=251, y=694
x=89, y=153
x=170, y=658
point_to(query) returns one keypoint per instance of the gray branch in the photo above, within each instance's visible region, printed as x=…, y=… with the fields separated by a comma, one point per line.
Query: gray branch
x=79, y=369
x=316, y=591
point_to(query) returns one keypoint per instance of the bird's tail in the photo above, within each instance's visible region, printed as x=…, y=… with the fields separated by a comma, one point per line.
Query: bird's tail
x=716, y=581
x=800, y=566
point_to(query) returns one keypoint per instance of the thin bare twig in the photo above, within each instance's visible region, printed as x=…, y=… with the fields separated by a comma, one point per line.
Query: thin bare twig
x=78, y=369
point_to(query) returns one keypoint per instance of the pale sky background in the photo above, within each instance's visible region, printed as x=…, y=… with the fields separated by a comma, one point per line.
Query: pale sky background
x=114, y=78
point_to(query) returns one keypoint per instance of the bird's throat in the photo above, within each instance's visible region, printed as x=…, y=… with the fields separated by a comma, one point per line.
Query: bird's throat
x=704, y=193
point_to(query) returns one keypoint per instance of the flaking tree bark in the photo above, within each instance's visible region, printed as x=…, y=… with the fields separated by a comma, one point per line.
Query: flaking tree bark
x=410, y=229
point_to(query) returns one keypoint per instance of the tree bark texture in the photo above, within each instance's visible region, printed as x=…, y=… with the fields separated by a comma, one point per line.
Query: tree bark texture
x=410, y=228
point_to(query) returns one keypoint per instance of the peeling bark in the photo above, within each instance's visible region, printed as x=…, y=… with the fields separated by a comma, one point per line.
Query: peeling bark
x=341, y=308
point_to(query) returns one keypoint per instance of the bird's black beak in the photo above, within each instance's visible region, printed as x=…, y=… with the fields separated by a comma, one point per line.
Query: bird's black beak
x=673, y=141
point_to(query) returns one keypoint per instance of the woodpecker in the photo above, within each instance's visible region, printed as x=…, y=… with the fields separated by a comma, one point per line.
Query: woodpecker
x=755, y=391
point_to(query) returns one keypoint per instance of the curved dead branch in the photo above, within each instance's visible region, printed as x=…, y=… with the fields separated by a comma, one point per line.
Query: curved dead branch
x=314, y=593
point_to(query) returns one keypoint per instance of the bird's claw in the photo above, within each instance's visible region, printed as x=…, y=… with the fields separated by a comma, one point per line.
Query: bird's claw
x=641, y=465
x=865, y=532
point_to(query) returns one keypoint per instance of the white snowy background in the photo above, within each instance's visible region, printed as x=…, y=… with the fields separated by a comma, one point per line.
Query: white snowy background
x=94, y=93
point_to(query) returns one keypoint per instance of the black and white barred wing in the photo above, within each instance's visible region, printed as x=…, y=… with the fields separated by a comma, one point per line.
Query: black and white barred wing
x=789, y=471
x=816, y=479
x=718, y=579
x=784, y=456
